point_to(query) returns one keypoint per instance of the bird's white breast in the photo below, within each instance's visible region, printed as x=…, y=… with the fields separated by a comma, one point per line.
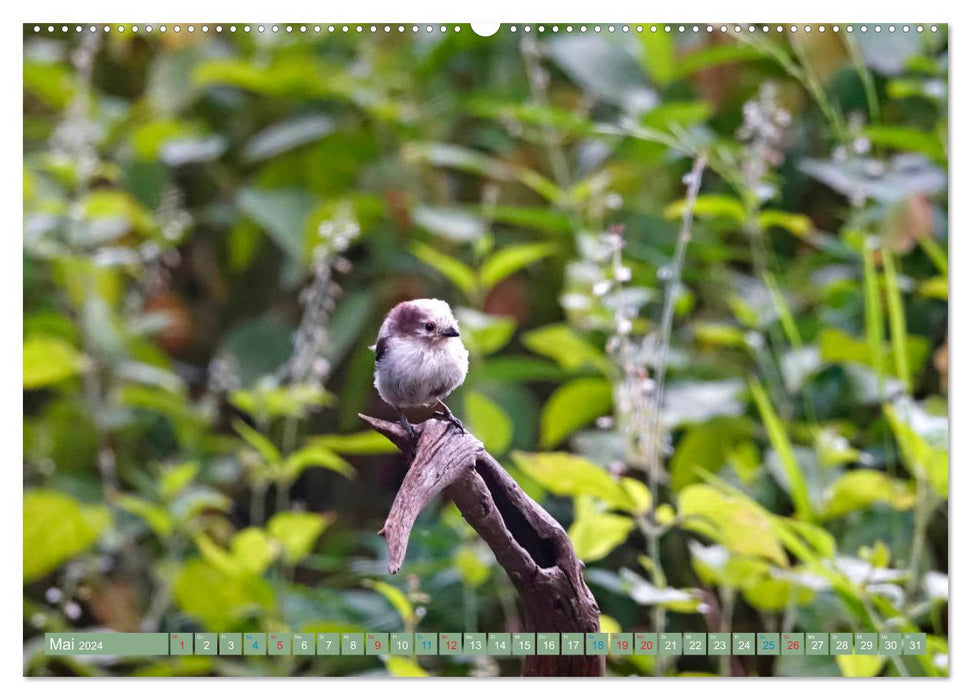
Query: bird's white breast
x=416, y=373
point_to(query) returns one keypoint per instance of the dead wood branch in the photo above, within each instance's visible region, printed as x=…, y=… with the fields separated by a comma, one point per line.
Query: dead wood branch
x=528, y=543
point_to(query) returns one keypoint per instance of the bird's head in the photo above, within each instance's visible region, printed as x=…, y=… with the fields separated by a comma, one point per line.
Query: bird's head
x=428, y=320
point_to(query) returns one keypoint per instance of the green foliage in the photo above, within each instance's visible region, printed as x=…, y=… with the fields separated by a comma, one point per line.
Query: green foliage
x=57, y=528
x=215, y=224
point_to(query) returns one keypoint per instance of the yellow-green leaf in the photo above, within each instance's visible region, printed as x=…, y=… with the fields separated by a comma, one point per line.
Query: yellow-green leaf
x=258, y=442
x=862, y=488
x=710, y=206
x=473, y=566
x=403, y=667
x=733, y=520
x=367, y=442
x=560, y=343
x=57, y=528
x=798, y=489
x=457, y=272
x=252, y=550
x=176, y=478
x=860, y=665
x=157, y=517
x=565, y=474
x=573, y=406
x=488, y=421
x=595, y=532
x=774, y=594
x=296, y=532
x=922, y=459
x=219, y=599
x=398, y=600
x=797, y=224
x=48, y=360
x=316, y=455
x=510, y=260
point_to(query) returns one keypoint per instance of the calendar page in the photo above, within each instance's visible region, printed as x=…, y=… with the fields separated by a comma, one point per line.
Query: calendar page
x=485, y=350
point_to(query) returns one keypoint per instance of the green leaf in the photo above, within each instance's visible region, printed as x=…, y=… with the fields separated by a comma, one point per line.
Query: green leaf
x=176, y=478
x=775, y=594
x=268, y=400
x=367, y=442
x=595, y=533
x=467, y=160
x=485, y=334
x=282, y=213
x=821, y=543
x=798, y=489
x=565, y=474
x=452, y=224
x=715, y=55
x=903, y=138
x=118, y=205
x=862, y=488
x=398, y=600
x=297, y=533
x=860, y=665
x=560, y=343
x=923, y=460
x=473, y=567
x=797, y=224
x=258, y=442
x=457, y=272
x=573, y=406
x=716, y=565
x=935, y=288
x=733, y=520
x=287, y=135
x=672, y=116
x=710, y=206
x=604, y=70
x=837, y=346
x=217, y=598
x=520, y=369
x=252, y=550
x=57, y=528
x=643, y=592
x=316, y=455
x=157, y=517
x=403, y=667
x=659, y=56
x=49, y=360
x=537, y=218
x=707, y=448
x=510, y=260
x=721, y=334
x=898, y=323
x=489, y=422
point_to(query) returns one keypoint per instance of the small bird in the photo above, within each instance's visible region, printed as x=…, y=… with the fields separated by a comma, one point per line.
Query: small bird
x=419, y=358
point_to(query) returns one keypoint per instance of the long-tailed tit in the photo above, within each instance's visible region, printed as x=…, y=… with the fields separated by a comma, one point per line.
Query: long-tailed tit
x=419, y=358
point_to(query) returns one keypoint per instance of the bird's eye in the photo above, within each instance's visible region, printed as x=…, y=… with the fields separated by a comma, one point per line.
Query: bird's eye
x=429, y=327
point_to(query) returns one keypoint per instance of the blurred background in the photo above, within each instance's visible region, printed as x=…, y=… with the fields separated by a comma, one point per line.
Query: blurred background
x=216, y=221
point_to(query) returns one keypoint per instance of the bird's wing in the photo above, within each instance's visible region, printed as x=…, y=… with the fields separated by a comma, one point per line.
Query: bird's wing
x=380, y=348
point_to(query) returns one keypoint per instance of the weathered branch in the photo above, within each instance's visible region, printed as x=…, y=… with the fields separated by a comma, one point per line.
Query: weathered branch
x=528, y=543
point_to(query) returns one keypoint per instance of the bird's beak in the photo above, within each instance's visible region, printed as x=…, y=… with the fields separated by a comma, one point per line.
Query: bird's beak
x=452, y=332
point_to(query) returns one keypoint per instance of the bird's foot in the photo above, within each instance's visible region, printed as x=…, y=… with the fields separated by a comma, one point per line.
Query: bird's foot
x=446, y=414
x=412, y=431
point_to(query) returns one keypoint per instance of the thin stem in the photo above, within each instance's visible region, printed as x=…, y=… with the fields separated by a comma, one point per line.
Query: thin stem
x=922, y=512
x=661, y=359
x=667, y=317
